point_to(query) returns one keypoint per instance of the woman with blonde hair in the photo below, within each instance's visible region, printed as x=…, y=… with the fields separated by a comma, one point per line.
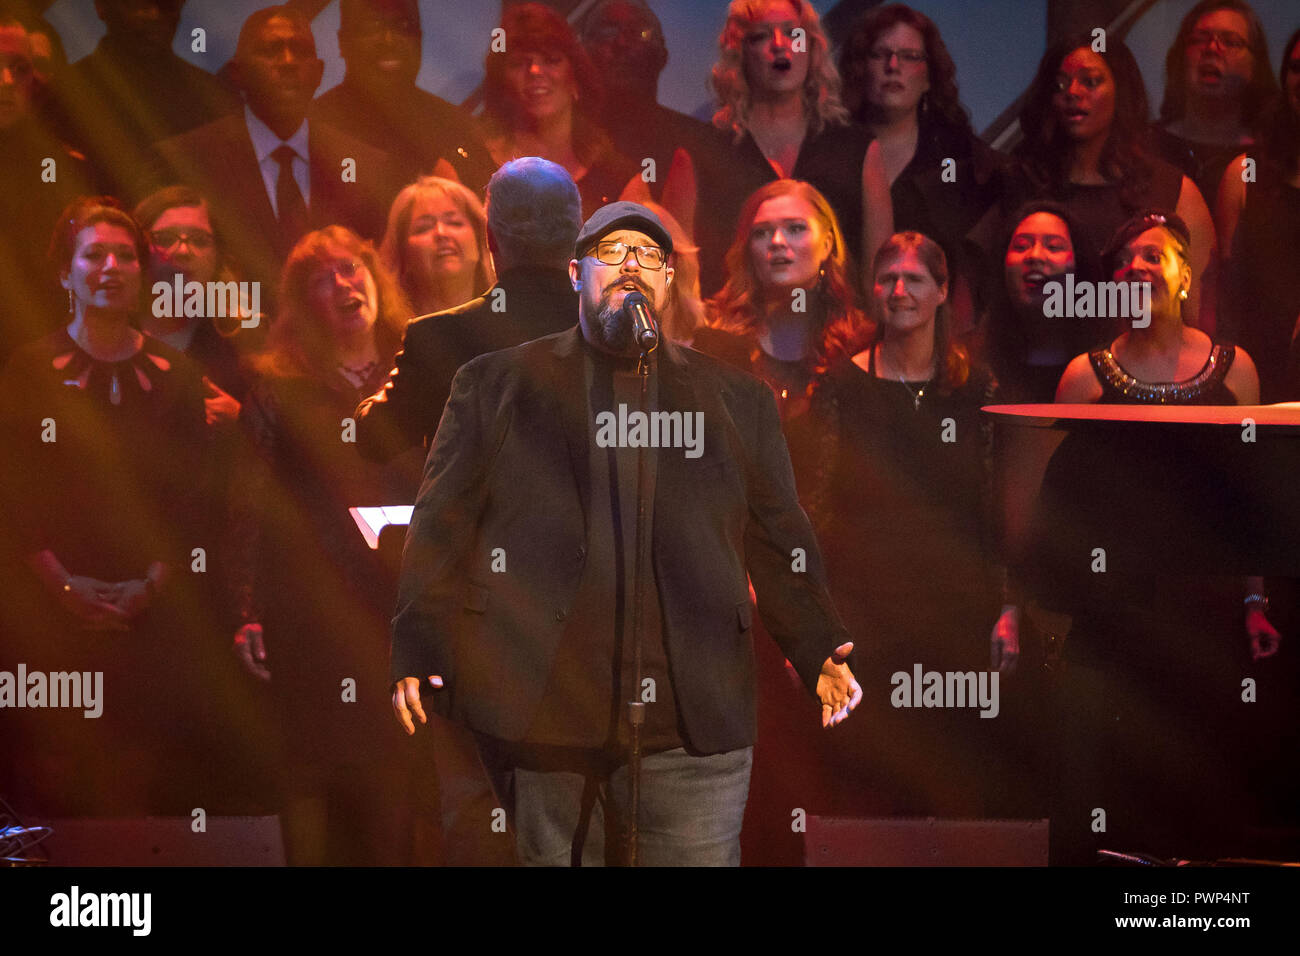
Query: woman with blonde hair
x=436, y=245
x=779, y=117
x=312, y=597
x=788, y=282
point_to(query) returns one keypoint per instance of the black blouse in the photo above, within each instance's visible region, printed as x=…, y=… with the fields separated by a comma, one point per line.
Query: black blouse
x=108, y=465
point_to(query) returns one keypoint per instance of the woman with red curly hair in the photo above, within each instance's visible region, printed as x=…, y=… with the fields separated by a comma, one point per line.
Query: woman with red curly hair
x=313, y=598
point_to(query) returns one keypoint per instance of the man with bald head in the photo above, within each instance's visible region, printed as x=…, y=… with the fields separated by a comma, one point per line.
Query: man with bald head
x=626, y=44
x=379, y=103
x=271, y=173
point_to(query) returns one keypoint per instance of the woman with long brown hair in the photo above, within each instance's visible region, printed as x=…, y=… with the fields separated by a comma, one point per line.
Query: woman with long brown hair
x=900, y=82
x=312, y=597
x=893, y=465
x=1085, y=130
x=542, y=97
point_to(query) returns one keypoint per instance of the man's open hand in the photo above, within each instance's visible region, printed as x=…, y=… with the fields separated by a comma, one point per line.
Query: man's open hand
x=406, y=698
x=837, y=688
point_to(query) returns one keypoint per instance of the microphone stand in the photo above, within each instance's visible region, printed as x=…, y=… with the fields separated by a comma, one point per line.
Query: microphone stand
x=635, y=707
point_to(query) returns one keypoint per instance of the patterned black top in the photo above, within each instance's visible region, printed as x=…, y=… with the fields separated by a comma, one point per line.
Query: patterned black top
x=1206, y=387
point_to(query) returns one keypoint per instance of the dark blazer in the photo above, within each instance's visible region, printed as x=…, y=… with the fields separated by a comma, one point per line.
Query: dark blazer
x=509, y=469
x=219, y=161
x=414, y=127
x=532, y=302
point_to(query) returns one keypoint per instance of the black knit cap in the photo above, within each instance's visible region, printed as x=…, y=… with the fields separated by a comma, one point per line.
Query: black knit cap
x=622, y=215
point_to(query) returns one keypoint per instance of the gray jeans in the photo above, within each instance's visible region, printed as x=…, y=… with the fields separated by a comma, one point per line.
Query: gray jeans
x=690, y=815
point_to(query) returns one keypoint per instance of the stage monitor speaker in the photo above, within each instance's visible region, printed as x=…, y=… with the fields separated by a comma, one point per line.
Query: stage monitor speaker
x=839, y=841
x=163, y=841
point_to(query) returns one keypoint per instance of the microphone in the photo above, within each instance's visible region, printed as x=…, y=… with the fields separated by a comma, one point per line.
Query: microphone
x=644, y=327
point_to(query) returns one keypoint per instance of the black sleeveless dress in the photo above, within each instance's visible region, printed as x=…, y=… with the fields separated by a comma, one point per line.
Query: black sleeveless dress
x=727, y=173
x=1206, y=387
x=1132, y=538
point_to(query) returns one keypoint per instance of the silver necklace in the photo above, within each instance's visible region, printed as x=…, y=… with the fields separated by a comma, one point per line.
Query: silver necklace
x=918, y=394
x=358, y=375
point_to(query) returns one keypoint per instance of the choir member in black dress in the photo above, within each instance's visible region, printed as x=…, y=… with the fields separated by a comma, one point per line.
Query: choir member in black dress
x=1149, y=701
x=1218, y=83
x=1259, y=226
x=893, y=466
x=103, y=489
x=788, y=281
x=436, y=244
x=1085, y=123
x=314, y=599
x=779, y=117
x=1165, y=361
x=542, y=97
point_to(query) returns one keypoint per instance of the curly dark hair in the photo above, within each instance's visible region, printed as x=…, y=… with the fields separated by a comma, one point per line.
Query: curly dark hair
x=1044, y=152
x=1259, y=92
x=943, y=113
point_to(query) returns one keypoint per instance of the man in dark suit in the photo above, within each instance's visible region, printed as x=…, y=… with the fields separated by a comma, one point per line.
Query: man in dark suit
x=270, y=174
x=379, y=103
x=534, y=213
x=41, y=177
x=517, y=579
x=132, y=92
x=625, y=41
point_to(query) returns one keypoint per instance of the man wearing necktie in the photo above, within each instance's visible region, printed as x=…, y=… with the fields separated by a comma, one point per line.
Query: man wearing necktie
x=269, y=173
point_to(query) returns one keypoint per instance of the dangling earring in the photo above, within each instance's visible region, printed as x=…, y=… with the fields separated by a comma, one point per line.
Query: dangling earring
x=70, y=308
x=924, y=105
x=1182, y=293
